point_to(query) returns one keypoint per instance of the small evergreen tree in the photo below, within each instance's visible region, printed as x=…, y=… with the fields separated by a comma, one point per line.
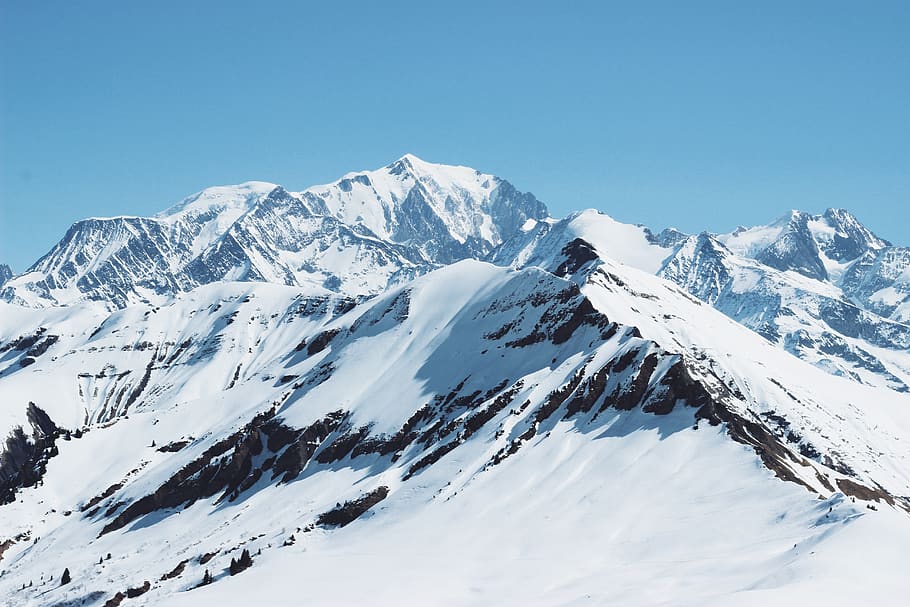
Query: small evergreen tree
x=66, y=579
x=206, y=579
x=244, y=562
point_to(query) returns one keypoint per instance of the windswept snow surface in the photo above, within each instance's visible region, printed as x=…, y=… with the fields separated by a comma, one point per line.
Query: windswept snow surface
x=621, y=242
x=629, y=515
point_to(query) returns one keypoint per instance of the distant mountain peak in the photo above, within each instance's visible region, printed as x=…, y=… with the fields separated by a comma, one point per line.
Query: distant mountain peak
x=851, y=238
x=219, y=198
x=355, y=235
x=408, y=162
x=809, y=244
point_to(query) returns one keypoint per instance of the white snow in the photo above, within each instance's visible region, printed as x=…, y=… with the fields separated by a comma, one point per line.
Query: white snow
x=612, y=507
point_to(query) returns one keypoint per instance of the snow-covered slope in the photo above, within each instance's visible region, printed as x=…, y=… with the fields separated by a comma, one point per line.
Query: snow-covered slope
x=823, y=321
x=810, y=318
x=355, y=236
x=239, y=416
x=261, y=396
x=541, y=242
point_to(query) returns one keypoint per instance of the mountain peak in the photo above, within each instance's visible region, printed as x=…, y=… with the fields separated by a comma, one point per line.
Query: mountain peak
x=239, y=197
x=413, y=162
x=409, y=160
x=449, y=212
x=793, y=217
x=848, y=228
x=444, y=176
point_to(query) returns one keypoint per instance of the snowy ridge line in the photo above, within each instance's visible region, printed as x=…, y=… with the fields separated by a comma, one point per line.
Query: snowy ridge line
x=355, y=236
x=684, y=324
x=830, y=319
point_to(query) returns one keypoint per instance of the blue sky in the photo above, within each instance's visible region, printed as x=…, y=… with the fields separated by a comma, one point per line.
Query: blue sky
x=701, y=115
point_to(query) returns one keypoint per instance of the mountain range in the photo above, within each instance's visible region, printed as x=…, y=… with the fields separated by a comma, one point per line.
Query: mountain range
x=413, y=385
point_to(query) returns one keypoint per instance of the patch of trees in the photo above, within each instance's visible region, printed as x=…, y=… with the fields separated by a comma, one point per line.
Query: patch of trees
x=244, y=562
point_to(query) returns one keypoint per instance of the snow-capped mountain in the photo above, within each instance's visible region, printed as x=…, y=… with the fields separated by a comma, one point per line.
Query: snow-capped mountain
x=811, y=318
x=822, y=320
x=411, y=385
x=355, y=236
x=813, y=245
x=879, y=281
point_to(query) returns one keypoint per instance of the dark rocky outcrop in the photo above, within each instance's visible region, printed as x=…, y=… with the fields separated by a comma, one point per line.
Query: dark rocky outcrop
x=634, y=395
x=101, y=497
x=143, y=383
x=132, y=593
x=678, y=385
x=344, y=514
x=227, y=466
x=863, y=492
x=175, y=572
x=756, y=434
x=173, y=446
x=23, y=461
x=576, y=254
x=566, y=311
x=321, y=341
x=115, y=600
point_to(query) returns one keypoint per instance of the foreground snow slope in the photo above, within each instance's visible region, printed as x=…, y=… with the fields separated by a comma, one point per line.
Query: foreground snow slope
x=513, y=443
x=626, y=515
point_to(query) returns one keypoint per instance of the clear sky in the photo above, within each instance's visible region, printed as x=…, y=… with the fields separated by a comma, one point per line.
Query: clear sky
x=701, y=115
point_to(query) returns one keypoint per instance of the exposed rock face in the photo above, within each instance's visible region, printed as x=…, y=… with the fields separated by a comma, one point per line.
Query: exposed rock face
x=23, y=460
x=880, y=281
x=701, y=265
x=795, y=249
x=850, y=239
x=577, y=253
x=348, y=512
x=227, y=466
